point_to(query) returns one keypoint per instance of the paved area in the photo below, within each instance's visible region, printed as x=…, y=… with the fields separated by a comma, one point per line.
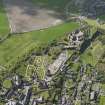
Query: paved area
x=58, y=63
x=25, y=16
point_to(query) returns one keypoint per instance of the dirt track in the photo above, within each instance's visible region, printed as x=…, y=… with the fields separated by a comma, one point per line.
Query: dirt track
x=25, y=16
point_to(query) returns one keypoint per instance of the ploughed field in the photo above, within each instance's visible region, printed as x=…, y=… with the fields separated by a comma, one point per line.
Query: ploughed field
x=28, y=15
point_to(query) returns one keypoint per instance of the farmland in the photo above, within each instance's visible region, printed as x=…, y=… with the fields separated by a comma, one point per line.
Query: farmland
x=4, y=25
x=102, y=100
x=17, y=45
x=51, y=52
x=27, y=16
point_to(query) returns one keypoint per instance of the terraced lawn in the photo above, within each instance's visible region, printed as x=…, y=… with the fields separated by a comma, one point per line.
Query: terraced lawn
x=4, y=25
x=18, y=45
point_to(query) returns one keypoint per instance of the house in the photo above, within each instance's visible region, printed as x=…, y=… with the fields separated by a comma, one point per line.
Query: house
x=36, y=100
x=75, y=39
x=28, y=92
x=43, y=84
x=21, y=97
x=92, y=95
x=16, y=80
x=9, y=93
x=11, y=102
x=39, y=100
x=33, y=102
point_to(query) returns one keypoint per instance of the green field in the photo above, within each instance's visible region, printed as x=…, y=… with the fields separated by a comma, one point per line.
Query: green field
x=13, y=48
x=93, y=53
x=94, y=23
x=4, y=26
x=17, y=45
x=102, y=100
x=7, y=84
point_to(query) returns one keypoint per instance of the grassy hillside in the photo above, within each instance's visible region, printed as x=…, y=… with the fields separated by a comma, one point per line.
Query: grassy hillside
x=4, y=26
x=94, y=23
x=18, y=45
x=93, y=54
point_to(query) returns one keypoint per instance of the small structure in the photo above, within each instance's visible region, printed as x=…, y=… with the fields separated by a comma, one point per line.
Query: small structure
x=75, y=39
x=92, y=95
x=9, y=93
x=28, y=92
x=16, y=80
x=11, y=102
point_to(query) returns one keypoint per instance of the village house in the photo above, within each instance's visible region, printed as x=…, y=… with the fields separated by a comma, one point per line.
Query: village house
x=75, y=39
x=16, y=80
x=11, y=102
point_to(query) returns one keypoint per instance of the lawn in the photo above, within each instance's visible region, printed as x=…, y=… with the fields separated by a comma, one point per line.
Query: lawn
x=4, y=25
x=98, y=50
x=102, y=86
x=93, y=53
x=94, y=23
x=7, y=84
x=17, y=45
x=102, y=100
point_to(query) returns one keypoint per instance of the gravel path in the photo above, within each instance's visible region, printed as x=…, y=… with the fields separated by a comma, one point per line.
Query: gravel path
x=25, y=16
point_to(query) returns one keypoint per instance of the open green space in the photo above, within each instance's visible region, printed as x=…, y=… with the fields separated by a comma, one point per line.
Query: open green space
x=102, y=100
x=102, y=86
x=94, y=23
x=18, y=45
x=7, y=84
x=93, y=53
x=102, y=17
x=4, y=25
